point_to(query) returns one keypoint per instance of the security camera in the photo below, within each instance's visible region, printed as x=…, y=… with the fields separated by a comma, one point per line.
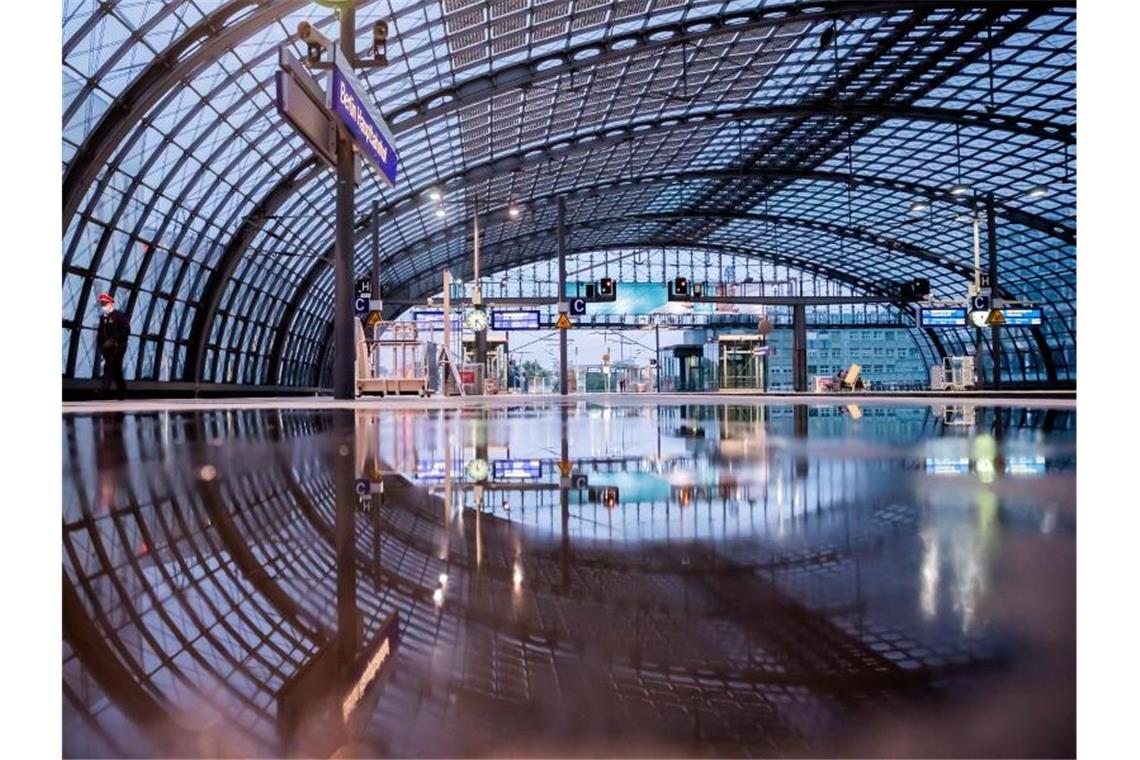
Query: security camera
x=380, y=41
x=317, y=42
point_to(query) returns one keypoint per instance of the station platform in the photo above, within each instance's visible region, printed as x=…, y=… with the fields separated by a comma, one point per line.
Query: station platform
x=1041, y=399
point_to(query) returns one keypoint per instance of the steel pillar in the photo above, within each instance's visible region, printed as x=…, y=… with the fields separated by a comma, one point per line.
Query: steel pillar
x=657, y=354
x=344, y=364
x=799, y=348
x=375, y=278
x=347, y=624
x=563, y=370
x=992, y=253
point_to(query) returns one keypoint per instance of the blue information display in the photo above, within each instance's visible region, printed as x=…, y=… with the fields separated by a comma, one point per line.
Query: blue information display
x=516, y=469
x=371, y=132
x=525, y=319
x=948, y=317
x=432, y=319
x=1022, y=317
x=435, y=470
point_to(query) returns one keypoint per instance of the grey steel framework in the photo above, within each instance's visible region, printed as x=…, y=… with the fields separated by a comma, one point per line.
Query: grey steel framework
x=791, y=132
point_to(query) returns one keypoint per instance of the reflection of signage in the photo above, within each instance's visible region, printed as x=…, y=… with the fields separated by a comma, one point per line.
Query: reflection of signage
x=516, y=469
x=367, y=126
x=995, y=318
x=360, y=306
x=577, y=306
x=980, y=302
x=1021, y=465
x=384, y=647
x=607, y=496
x=525, y=319
x=466, y=376
x=948, y=466
x=1023, y=317
x=363, y=486
x=952, y=317
x=434, y=470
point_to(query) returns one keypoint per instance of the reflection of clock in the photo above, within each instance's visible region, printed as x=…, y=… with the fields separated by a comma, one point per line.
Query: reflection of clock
x=477, y=469
x=476, y=320
x=979, y=318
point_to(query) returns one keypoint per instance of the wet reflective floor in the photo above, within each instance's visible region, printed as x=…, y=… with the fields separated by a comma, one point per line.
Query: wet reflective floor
x=570, y=580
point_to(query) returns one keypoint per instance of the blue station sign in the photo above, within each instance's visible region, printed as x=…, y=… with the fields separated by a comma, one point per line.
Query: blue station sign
x=369, y=130
x=1031, y=317
x=511, y=319
x=948, y=317
x=516, y=469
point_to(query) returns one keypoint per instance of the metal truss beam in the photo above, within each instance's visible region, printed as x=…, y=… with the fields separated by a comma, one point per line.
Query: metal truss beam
x=605, y=137
x=590, y=54
x=227, y=263
x=198, y=47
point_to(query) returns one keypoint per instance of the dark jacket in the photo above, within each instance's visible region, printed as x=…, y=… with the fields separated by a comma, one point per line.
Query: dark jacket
x=114, y=329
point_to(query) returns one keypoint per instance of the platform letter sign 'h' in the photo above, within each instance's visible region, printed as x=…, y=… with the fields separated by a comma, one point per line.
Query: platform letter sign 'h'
x=368, y=128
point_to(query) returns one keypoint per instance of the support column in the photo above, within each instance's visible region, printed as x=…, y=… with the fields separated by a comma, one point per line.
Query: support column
x=799, y=348
x=657, y=373
x=991, y=246
x=564, y=497
x=347, y=616
x=477, y=301
x=563, y=370
x=344, y=365
x=979, y=359
x=375, y=279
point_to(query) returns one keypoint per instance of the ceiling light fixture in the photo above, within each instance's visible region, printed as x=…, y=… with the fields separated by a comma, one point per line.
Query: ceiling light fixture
x=435, y=194
x=1038, y=191
x=513, y=211
x=919, y=206
x=440, y=212
x=959, y=190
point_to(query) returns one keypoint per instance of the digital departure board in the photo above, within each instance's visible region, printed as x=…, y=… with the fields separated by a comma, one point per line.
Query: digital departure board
x=432, y=319
x=516, y=469
x=1022, y=317
x=515, y=319
x=942, y=317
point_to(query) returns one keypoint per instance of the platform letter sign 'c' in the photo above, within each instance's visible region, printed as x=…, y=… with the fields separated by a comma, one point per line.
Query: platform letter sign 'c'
x=369, y=130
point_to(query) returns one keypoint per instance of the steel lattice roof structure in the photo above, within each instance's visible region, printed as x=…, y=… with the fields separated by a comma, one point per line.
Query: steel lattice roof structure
x=709, y=125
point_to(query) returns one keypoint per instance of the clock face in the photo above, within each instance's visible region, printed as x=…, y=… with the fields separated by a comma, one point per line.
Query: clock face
x=476, y=320
x=477, y=469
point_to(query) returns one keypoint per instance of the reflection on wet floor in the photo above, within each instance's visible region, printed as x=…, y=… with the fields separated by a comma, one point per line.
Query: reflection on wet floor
x=570, y=580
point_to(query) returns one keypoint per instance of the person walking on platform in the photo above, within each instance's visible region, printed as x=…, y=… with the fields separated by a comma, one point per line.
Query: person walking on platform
x=111, y=342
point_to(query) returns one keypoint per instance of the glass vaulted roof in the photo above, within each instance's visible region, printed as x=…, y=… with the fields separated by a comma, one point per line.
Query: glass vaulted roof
x=798, y=134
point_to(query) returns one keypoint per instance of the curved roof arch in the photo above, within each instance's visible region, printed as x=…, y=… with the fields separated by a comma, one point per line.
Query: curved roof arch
x=697, y=122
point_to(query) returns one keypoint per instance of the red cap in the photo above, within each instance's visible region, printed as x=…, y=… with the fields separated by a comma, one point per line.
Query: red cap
x=106, y=298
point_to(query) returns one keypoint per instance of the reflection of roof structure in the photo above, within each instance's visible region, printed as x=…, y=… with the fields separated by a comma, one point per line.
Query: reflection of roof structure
x=697, y=126
x=189, y=602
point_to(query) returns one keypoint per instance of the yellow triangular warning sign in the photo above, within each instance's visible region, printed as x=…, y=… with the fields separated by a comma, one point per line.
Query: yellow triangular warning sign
x=373, y=318
x=564, y=468
x=563, y=322
x=995, y=318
